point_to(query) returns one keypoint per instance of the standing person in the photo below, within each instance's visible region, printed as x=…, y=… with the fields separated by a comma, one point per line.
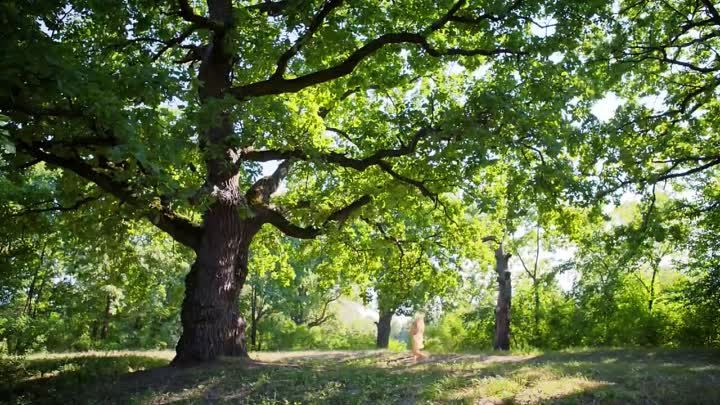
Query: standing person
x=417, y=329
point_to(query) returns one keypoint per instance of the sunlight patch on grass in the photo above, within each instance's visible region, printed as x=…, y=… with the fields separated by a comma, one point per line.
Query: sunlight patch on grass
x=493, y=389
x=529, y=387
x=159, y=354
x=705, y=368
x=559, y=388
x=528, y=375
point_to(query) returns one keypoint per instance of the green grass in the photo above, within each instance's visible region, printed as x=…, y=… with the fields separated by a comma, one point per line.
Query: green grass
x=621, y=376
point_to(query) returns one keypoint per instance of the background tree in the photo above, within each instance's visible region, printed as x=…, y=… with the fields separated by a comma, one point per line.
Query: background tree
x=291, y=284
x=416, y=261
x=670, y=108
x=62, y=290
x=400, y=260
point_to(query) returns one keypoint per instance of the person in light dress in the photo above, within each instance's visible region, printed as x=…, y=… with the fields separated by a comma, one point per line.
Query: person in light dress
x=417, y=329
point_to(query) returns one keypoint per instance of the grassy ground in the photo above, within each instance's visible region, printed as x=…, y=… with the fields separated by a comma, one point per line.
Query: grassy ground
x=649, y=377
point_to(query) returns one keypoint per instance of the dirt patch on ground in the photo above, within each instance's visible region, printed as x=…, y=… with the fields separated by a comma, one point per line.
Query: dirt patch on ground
x=453, y=358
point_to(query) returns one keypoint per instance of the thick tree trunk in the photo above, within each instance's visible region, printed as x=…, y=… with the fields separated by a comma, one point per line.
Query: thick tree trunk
x=211, y=323
x=502, y=310
x=383, y=329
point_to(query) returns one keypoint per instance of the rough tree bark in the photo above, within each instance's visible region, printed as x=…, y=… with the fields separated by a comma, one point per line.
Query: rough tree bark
x=501, y=340
x=503, y=307
x=211, y=323
x=210, y=320
x=383, y=329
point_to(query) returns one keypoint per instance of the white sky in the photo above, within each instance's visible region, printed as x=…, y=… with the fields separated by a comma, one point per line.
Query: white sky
x=269, y=167
x=605, y=108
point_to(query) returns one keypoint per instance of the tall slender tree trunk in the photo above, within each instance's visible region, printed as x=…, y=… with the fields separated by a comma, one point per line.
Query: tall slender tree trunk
x=106, y=318
x=39, y=293
x=30, y=293
x=536, y=308
x=253, y=317
x=536, y=282
x=33, y=285
x=94, y=334
x=502, y=309
x=383, y=329
x=651, y=299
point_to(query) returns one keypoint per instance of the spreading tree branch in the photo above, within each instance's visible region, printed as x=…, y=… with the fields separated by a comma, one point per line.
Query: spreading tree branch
x=175, y=41
x=361, y=164
x=387, y=168
x=260, y=192
x=315, y=24
x=527, y=271
x=279, y=85
x=397, y=242
x=188, y=14
x=667, y=175
x=278, y=220
x=179, y=228
x=271, y=8
x=334, y=157
x=57, y=207
x=713, y=11
x=324, y=316
x=490, y=238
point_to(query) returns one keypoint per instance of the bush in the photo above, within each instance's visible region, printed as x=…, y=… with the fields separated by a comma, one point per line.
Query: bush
x=447, y=335
x=83, y=343
x=12, y=368
x=397, y=346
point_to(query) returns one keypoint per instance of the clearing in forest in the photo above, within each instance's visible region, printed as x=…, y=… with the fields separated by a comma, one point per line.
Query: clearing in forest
x=372, y=377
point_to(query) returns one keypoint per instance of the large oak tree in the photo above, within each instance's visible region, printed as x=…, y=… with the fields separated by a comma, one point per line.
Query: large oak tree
x=170, y=108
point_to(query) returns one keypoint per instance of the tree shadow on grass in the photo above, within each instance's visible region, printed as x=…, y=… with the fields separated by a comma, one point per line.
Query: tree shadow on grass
x=57, y=378
x=616, y=376
x=599, y=377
